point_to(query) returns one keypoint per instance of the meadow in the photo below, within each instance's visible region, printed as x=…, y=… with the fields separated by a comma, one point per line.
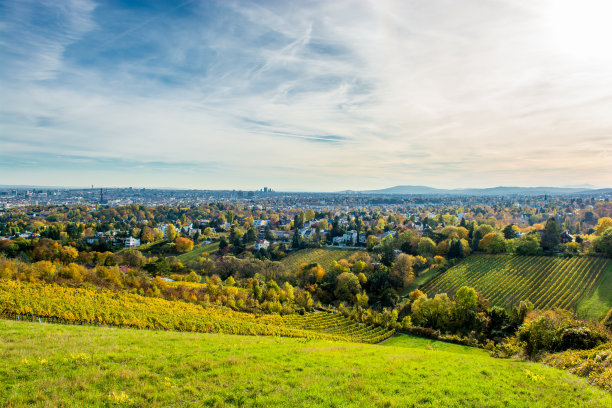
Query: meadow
x=579, y=283
x=195, y=254
x=322, y=256
x=67, y=365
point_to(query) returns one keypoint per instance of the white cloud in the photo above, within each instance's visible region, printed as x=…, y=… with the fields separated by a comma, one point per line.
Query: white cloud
x=317, y=95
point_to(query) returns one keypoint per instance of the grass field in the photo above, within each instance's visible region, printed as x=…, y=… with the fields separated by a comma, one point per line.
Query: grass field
x=63, y=365
x=422, y=279
x=194, y=255
x=323, y=256
x=581, y=283
x=599, y=301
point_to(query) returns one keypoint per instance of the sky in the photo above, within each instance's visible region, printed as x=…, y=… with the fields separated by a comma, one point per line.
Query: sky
x=306, y=95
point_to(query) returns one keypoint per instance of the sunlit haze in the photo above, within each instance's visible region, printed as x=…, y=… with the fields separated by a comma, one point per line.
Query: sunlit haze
x=306, y=95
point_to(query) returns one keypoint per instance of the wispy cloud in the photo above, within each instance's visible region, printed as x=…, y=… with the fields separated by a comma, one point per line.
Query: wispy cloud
x=299, y=95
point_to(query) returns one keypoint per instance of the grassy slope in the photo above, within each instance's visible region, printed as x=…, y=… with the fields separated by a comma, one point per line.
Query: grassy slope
x=324, y=256
x=195, y=254
x=60, y=365
x=421, y=280
x=599, y=302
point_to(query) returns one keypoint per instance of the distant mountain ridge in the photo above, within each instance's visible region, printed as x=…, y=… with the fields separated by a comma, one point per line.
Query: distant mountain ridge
x=494, y=191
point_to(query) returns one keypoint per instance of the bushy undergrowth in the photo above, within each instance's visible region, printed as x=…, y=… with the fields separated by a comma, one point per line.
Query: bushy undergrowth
x=556, y=330
x=594, y=364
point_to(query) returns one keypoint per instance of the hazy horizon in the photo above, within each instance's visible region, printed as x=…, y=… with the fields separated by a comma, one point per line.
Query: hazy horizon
x=306, y=96
x=230, y=188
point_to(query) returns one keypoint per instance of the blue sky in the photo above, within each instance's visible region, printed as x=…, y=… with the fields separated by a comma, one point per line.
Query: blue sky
x=308, y=95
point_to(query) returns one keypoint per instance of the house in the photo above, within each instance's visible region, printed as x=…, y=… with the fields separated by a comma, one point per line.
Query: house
x=131, y=242
x=566, y=237
x=261, y=234
x=310, y=233
x=283, y=235
x=338, y=240
x=261, y=244
x=350, y=237
x=386, y=234
x=260, y=223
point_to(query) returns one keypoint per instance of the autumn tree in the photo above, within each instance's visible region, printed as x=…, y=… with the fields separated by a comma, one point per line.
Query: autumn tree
x=309, y=215
x=602, y=224
x=170, y=232
x=401, y=273
x=493, y=243
x=603, y=242
x=183, y=244
x=147, y=235
x=310, y=273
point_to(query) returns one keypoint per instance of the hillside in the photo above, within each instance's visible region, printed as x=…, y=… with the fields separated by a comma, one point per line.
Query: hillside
x=54, y=303
x=579, y=283
x=196, y=253
x=323, y=256
x=64, y=365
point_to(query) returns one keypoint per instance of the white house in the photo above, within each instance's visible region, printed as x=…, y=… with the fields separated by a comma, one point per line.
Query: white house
x=261, y=244
x=132, y=242
x=260, y=223
x=350, y=237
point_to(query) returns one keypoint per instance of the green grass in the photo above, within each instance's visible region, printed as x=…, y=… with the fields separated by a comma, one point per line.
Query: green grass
x=404, y=340
x=194, y=255
x=422, y=279
x=143, y=247
x=63, y=365
x=599, y=301
x=323, y=256
x=548, y=282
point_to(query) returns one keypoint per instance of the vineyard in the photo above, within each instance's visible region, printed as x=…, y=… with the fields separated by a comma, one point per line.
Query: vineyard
x=53, y=303
x=547, y=282
x=322, y=256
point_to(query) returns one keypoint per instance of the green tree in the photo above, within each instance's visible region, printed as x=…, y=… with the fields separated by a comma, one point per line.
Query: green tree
x=603, y=243
x=426, y=247
x=456, y=250
x=387, y=255
x=511, y=231
x=528, y=244
x=347, y=286
x=493, y=243
x=467, y=298
x=551, y=235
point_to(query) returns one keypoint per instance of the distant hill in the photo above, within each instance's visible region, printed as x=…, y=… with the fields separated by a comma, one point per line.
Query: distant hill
x=494, y=191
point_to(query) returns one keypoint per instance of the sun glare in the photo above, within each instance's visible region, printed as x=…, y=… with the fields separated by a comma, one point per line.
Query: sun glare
x=581, y=29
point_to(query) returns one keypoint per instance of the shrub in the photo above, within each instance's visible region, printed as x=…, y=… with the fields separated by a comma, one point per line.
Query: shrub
x=582, y=338
x=553, y=331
